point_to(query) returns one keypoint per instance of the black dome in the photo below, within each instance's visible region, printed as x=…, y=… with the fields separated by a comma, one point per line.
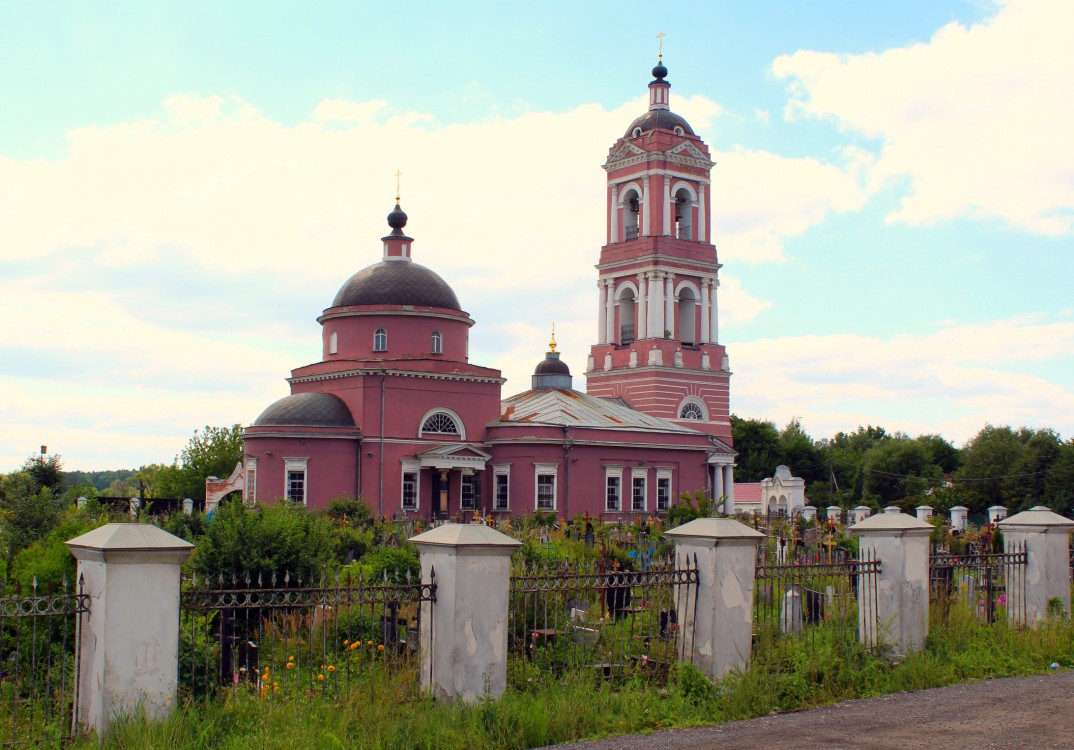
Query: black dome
x=397, y=220
x=397, y=282
x=306, y=410
x=660, y=72
x=662, y=119
x=552, y=366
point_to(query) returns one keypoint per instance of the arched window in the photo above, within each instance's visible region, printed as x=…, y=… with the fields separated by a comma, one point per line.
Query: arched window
x=627, y=321
x=441, y=424
x=687, y=315
x=380, y=340
x=684, y=204
x=631, y=214
x=691, y=410
x=438, y=343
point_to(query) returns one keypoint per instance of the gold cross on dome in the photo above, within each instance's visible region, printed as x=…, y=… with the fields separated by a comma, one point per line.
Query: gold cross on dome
x=661, y=36
x=398, y=174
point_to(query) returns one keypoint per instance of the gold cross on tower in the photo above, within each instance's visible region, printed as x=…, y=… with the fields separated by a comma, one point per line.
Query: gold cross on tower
x=398, y=174
x=661, y=36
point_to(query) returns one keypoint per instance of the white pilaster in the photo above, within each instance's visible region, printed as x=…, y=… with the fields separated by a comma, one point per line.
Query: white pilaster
x=667, y=205
x=714, y=319
x=702, y=228
x=704, y=311
x=669, y=303
x=656, y=306
x=613, y=213
x=646, y=223
x=602, y=312
x=609, y=332
x=641, y=309
x=717, y=483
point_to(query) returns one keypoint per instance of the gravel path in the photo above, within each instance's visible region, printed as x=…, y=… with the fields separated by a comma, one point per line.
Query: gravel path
x=1017, y=712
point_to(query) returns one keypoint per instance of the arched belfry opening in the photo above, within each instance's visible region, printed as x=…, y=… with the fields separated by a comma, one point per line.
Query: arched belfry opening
x=628, y=316
x=684, y=214
x=686, y=315
x=631, y=215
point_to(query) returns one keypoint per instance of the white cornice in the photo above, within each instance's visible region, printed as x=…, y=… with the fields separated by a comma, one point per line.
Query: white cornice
x=460, y=317
x=396, y=373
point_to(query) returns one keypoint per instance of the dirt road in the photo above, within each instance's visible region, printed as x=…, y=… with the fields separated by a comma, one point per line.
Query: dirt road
x=1018, y=712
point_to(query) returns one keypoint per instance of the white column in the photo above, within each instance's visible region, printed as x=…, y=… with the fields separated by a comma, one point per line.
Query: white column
x=714, y=318
x=704, y=339
x=129, y=643
x=717, y=483
x=702, y=230
x=602, y=312
x=613, y=213
x=646, y=223
x=728, y=487
x=669, y=303
x=641, y=309
x=667, y=205
x=609, y=332
x=656, y=306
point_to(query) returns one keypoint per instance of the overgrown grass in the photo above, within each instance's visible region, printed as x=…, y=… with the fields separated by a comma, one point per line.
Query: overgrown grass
x=786, y=674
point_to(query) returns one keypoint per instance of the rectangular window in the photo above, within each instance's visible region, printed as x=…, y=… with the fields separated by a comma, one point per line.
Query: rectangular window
x=503, y=489
x=612, y=494
x=663, y=491
x=546, y=492
x=471, y=492
x=295, y=479
x=296, y=486
x=637, y=493
x=410, y=490
x=250, y=493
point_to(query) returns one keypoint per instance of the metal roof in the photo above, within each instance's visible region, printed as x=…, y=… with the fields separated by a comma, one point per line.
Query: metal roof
x=561, y=406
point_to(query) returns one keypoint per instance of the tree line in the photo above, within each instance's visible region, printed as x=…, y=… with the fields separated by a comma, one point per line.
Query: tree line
x=1017, y=469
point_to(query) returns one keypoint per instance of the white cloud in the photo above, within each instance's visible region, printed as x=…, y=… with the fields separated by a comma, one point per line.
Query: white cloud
x=760, y=199
x=183, y=260
x=978, y=118
x=905, y=382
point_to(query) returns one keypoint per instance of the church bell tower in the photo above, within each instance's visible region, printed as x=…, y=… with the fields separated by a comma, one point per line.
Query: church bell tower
x=658, y=346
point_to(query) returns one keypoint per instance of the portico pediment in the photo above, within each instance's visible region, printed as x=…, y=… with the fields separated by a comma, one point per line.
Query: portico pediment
x=454, y=456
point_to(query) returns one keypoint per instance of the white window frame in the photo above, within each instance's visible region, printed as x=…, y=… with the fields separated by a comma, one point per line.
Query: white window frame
x=333, y=343
x=663, y=475
x=637, y=475
x=410, y=467
x=501, y=471
x=249, y=491
x=296, y=465
x=613, y=473
x=459, y=424
x=474, y=480
x=545, y=470
x=438, y=342
x=380, y=340
x=693, y=401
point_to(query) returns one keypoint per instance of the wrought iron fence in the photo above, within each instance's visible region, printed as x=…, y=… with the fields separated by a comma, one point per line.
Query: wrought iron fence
x=282, y=636
x=991, y=584
x=39, y=663
x=797, y=598
x=601, y=617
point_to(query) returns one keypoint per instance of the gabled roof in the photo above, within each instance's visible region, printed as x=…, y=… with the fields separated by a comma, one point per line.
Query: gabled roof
x=747, y=492
x=562, y=406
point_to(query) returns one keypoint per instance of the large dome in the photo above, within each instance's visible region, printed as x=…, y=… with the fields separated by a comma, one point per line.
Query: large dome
x=395, y=282
x=662, y=119
x=306, y=410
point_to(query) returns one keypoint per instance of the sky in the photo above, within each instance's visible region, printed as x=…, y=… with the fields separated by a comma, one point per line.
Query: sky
x=185, y=186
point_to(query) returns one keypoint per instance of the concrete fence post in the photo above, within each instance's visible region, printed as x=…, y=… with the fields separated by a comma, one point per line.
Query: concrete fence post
x=1047, y=573
x=900, y=543
x=129, y=641
x=719, y=636
x=464, y=632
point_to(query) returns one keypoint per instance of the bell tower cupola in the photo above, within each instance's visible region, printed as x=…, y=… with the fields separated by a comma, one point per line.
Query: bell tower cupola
x=658, y=345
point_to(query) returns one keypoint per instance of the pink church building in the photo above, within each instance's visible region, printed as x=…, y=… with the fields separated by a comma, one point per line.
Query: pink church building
x=394, y=411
